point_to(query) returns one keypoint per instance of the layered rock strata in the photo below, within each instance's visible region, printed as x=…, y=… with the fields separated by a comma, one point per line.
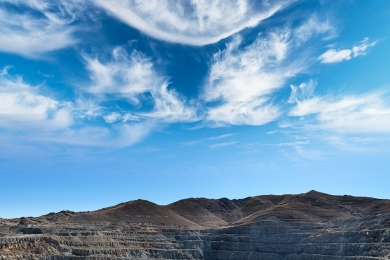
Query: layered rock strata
x=305, y=226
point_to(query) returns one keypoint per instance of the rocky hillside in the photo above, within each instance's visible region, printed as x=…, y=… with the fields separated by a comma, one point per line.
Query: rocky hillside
x=313, y=225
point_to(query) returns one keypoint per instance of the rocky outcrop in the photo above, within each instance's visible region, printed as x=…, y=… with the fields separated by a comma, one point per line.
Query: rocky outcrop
x=305, y=226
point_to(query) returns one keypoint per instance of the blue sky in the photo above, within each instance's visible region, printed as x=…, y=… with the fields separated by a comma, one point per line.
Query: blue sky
x=103, y=102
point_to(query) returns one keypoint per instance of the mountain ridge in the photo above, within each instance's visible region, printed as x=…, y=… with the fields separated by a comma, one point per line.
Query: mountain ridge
x=197, y=213
x=306, y=226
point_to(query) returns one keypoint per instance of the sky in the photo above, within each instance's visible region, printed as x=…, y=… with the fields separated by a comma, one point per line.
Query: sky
x=105, y=101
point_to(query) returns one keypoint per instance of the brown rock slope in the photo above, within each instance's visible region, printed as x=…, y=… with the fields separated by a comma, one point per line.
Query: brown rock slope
x=195, y=213
x=311, y=206
x=134, y=211
x=307, y=226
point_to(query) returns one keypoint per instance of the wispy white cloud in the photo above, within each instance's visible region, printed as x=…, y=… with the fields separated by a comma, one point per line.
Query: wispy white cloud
x=309, y=154
x=259, y=145
x=333, y=55
x=122, y=135
x=129, y=117
x=304, y=154
x=220, y=145
x=242, y=79
x=116, y=116
x=21, y=106
x=303, y=91
x=369, y=113
x=87, y=108
x=295, y=143
x=194, y=22
x=314, y=26
x=254, y=112
x=4, y=71
x=339, y=121
x=125, y=76
x=112, y=117
x=194, y=142
x=221, y=136
x=40, y=118
x=170, y=107
x=345, y=144
x=128, y=76
x=44, y=27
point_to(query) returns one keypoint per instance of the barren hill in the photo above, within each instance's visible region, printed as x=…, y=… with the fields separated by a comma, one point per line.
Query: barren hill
x=198, y=213
x=311, y=225
x=311, y=206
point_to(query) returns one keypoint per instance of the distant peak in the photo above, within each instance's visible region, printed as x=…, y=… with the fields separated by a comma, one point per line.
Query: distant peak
x=313, y=192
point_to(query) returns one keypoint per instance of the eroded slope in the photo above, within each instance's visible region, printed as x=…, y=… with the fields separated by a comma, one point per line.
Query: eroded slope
x=313, y=225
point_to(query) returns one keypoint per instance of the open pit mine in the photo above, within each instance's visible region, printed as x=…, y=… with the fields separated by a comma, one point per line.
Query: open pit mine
x=309, y=226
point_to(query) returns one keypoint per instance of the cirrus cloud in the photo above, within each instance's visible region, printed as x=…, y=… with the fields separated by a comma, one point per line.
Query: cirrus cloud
x=242, y=79
x=37, y=117
x=130, y=76
x=22, y=106
x=333, y=55
x=369, y=113
x=193, y=22
x=37, y=27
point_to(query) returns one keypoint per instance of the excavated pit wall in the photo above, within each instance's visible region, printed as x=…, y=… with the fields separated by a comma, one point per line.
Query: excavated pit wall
x=364, y=238
x=299, y=241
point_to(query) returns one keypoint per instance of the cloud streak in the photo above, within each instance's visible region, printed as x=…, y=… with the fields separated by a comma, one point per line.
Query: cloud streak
x=122, y=135
x=314, y=26
x=42, y=26
x=334, y=56
x=303, y=91
x=221, y=145
x=242, y=79
x=40, y=118
x=125, y=75
x=22, y=106
x=221, y=136
x=194, y=22
x=369, y=113
x=131, y=76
